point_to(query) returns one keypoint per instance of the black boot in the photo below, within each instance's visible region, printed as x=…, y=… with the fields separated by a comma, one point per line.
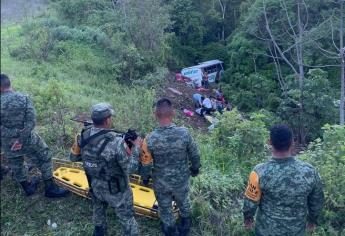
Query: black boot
x=169, y=230
x=52, y=190
x=99, y=231
x=184, y=226
x=29, y=187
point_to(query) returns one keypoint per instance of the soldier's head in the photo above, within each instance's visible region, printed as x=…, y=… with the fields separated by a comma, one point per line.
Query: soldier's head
x=5, y=83
x=164, y=110
x=281, y=138
x=101, y=114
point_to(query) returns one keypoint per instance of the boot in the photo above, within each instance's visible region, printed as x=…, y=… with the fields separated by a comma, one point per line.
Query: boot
x=29, y=187
x=184, y=226
x=170, y=230
x=99, y=231
x=52, y=190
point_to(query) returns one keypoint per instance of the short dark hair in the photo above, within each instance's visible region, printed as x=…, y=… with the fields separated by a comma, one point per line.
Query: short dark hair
x=5, y=81
x=164, y=107
x=281, y=137
x=99, y=121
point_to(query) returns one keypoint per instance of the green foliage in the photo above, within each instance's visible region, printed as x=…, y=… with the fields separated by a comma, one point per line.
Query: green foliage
x=131, y=35
x=328, y=156
x=228, y=155
x=236, y=143
x=250, y=93
x=319, y=107
x=86, y=51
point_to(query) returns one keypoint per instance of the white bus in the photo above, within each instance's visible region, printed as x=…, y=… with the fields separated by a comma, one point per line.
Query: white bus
x=213, y=68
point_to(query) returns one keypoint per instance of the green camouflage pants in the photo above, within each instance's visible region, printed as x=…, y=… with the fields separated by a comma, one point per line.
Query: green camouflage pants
x=165, y=197
x=123, y=205
x=38, y=153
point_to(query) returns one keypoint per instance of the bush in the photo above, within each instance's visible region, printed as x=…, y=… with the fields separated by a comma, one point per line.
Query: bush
x=328, y=156
x=238, y=143
x=217, y=201
x=318, y=105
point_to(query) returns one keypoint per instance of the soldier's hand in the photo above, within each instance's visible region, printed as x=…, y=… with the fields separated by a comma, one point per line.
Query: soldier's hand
x=138, y=142
x=310, y=226
x=248, y=223
x=16, y=146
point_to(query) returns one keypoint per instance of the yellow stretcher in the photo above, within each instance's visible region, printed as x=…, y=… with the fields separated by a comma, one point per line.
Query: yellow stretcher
x=71, y=176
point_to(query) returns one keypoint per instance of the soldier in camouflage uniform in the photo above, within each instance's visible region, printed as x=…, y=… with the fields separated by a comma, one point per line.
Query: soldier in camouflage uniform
x=175, y=157
x=18, y=139
x=285, y=193
x=108, y=161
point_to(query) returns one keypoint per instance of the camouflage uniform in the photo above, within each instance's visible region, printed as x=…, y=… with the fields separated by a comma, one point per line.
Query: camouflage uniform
x=108, y=161
x=287, y=192
x=174, y=152
x=18, y=119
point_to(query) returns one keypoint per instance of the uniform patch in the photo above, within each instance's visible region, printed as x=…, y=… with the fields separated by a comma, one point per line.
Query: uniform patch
x=75, y=149
x=253, y=191
x=145, y=155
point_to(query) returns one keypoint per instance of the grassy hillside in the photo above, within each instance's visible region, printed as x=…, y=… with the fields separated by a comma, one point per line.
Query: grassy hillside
x=74, y=74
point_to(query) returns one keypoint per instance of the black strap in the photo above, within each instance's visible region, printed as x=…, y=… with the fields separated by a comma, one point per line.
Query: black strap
x=84, y=142
x=106, y=141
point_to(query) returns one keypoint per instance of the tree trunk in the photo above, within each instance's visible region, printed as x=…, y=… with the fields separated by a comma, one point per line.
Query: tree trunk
x=223, y=8
x=342, y=59
x=299, y=52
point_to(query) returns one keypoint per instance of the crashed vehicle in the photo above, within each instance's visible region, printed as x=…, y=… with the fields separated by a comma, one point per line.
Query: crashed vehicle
x=213, y=68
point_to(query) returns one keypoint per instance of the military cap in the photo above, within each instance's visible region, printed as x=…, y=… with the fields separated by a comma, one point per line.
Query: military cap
x=102, y=110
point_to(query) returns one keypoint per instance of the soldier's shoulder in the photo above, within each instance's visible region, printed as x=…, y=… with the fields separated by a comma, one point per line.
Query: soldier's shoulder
x=305, y=166
x=260, y=168
x=181, y=130
x=114, y=141
x=14, y=95
x=114, y=136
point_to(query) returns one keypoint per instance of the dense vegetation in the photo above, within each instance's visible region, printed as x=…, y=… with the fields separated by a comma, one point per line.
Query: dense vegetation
x=282, y=61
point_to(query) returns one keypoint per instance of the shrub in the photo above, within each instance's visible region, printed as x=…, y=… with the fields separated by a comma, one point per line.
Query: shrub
x=328, y=156
x=238, y=142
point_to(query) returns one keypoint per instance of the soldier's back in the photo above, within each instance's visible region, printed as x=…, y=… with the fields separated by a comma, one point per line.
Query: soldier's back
x=13, y=106
x=285, y=185
x=168, y=146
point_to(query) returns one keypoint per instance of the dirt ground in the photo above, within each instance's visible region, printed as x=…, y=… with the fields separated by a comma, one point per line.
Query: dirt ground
x=185, y=101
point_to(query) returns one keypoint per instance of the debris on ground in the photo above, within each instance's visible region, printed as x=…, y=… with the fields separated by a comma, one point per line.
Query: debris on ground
x=183, y=101
x=175, y=91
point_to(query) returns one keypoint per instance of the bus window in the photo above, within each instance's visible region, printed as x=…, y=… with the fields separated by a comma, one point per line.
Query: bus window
x=220, y=67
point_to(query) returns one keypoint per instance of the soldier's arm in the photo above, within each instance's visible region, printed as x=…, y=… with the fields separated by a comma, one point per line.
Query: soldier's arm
x=315, y=201
x=193, y=153
x=30, y=119
x=252, y=197
x=127, y=158
x=75, y=153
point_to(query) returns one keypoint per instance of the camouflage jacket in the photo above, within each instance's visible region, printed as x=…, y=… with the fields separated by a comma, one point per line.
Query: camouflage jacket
x=173, y=151
x=115, y=153
x=18, y=118
x=285, y=193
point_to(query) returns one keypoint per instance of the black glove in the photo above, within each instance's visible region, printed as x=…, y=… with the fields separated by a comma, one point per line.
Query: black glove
x=194, y=172
x=130, y=135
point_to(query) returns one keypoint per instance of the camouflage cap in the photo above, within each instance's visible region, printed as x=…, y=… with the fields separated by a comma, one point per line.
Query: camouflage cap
x=102, y=110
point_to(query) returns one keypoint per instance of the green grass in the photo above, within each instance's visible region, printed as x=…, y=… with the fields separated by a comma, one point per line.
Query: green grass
x=21, y=215
x=70, y=83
